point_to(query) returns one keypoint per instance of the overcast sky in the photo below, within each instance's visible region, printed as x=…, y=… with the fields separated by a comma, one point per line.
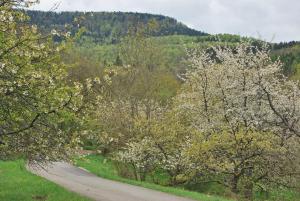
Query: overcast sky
x=266, y=19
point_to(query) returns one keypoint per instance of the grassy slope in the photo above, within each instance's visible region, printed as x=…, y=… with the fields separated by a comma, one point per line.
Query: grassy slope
x=104, y=168
x=17, y=184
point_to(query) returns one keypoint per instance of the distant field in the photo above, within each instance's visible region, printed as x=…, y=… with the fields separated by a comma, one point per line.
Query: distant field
x=17, y=184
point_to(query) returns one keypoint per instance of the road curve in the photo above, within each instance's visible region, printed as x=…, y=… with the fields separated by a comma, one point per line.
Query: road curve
x=99, y=189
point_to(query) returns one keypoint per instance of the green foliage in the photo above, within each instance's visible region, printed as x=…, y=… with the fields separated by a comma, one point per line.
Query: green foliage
x=17, y=184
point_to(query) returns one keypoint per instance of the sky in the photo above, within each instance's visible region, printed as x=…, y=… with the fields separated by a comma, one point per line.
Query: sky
x=270, y=20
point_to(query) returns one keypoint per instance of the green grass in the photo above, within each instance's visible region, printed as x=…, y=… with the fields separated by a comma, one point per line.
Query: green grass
x=280, y=195
x=17, y=184
x=104, y=168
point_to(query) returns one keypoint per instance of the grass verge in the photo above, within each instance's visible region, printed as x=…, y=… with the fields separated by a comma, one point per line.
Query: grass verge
x=17, y=184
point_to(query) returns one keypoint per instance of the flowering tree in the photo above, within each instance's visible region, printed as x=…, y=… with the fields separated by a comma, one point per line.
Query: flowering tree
x=142, y=155
x=39, y=108
x=175, y=161
x=172, y=139
x=245, y=114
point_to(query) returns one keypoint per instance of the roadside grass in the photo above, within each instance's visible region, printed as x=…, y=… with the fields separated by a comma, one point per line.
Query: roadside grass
x=279, y=195
x=17, y=184
x=104, y=168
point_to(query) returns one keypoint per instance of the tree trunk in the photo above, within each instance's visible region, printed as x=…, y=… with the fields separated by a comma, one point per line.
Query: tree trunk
x=135, y=172
x=248, y=192
x=142, y=176
x=234, y=183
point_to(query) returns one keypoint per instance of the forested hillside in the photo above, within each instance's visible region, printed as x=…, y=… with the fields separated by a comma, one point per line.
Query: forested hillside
x=108, y=27
x=103, y=30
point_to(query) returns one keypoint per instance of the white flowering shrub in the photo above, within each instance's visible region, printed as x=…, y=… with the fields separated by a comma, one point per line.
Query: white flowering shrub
x=176, y=162
x=142, y=155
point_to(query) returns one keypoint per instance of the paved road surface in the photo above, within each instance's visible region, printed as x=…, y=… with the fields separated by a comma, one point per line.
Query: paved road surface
x=89, y=185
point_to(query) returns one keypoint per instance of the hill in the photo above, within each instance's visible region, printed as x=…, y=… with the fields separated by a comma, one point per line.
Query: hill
x=108, y=27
